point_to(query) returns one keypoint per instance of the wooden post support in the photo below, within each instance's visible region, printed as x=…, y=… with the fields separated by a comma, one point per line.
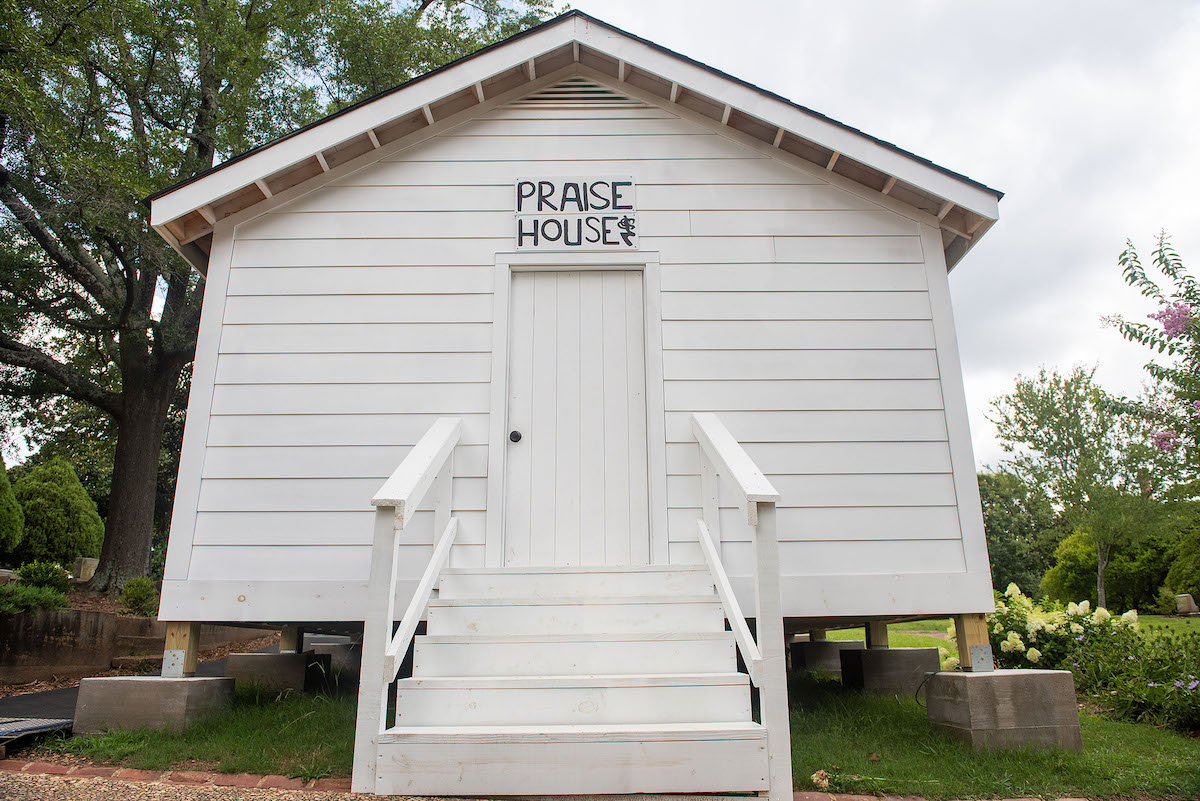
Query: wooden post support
x=974, y=650
x=816, y=634
x=181, y=650
x=877, y=635
x=291, y=640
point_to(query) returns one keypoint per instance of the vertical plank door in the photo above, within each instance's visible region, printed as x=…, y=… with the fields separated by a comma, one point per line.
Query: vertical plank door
x=576, y=482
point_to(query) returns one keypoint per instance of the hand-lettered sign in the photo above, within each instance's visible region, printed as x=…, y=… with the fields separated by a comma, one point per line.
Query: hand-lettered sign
x=576, y=213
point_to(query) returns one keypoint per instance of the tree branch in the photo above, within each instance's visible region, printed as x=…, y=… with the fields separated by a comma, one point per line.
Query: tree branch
x=74, y=384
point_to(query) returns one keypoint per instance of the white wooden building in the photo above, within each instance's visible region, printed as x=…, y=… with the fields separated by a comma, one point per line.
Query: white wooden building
x=672, y=346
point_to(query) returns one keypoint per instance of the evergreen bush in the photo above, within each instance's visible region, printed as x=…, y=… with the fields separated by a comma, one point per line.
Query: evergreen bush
x=140, y=596
x=1132, y=578
x=1184, y=574
x=61, y=521
x=18, y=597
x=44, y=574
x=12, y=519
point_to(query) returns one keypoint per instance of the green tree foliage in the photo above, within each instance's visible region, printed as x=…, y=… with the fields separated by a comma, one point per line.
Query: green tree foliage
x=1133, y=578
x=103, y=104
x=1020, y=525
x=1184, y=575
x=1175, y=335
x=61, y=522
x=1069, y=438
x=12, y=519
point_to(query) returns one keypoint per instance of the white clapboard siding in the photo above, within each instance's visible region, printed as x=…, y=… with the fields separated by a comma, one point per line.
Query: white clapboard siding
x=352, y=398
x=925, y=489
x=809, y=458
x=834, y=557
x=877, y=523
x=323, y=528
x=312, y=563
x=796, y=334
x=358, y=309
x=796, y=306
x=316, y=495
x=707, y=396
x=357, y=338
x=779, y=277
x=727, y=365
x=800, y=249
x=360, y=280
x=353, y=368
x=334, y=429
x=584, y=125
x=576, y=148
x=821, y=426
x=876, y=222
x=328, y=461
x=368, y=252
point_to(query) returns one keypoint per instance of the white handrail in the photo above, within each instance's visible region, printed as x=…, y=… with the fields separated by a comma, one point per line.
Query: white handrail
x=733, y=610
x=420, y=600
x=732, y=461
x=406, y=487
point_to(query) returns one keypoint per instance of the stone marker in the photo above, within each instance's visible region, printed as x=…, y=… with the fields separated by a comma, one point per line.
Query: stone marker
x=1006, y=708
x=85, y=568
x=1186, y=605
x=888, y=670
x=134, y=702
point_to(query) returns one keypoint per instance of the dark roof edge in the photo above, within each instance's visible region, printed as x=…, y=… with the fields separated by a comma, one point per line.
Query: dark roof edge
x=566, y=15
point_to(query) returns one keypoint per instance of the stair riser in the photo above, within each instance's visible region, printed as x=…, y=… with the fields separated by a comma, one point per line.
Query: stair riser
x=575, y=619
x=575, y=585
x=434, y=706
x=573, y=658
x=498, y=769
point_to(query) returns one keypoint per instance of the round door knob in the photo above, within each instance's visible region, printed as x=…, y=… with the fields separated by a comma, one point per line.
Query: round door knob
x=515, y=436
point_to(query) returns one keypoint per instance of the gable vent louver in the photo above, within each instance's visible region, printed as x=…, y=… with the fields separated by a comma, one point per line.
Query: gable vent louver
x=578, y=93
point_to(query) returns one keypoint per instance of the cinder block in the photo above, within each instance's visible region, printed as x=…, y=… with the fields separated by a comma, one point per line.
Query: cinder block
x=1006, y=708
x=135, y=702
x=888, y=670
x=287, y=671
x=344, y=662
x=823, y=655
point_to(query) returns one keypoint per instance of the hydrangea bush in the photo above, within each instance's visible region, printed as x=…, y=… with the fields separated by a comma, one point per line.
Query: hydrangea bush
x=1152, y=679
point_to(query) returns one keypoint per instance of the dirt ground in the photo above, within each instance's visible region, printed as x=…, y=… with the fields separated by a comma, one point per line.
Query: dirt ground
x=23, y=787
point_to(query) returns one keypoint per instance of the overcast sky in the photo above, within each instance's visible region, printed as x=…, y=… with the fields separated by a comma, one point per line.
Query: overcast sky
x=1086, y=114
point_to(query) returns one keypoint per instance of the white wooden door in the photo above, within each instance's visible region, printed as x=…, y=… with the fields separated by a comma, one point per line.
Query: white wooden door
x=576, y=480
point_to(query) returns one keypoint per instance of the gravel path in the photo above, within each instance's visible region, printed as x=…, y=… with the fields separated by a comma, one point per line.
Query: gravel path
x=24, y=787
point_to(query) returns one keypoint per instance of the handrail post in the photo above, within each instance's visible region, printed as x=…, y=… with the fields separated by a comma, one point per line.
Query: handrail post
x=773, y=697
x=377, y=631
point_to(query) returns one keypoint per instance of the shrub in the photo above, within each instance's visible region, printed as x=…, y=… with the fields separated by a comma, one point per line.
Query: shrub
x=1166, y=603
x=12, y=519
x=18, y=597
x=1131, y=581
x=44, y=574
x=140, y=596
x=1184, y=574
x=61, y=521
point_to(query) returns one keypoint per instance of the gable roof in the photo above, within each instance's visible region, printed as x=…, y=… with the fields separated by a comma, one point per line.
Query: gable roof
x=573, y=43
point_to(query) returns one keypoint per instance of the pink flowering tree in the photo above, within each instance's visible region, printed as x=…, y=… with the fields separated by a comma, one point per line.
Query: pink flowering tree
x=1173, y=335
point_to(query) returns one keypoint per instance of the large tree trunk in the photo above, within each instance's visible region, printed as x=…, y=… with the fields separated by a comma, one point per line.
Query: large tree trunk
x=147, y=397
x=1102, y=554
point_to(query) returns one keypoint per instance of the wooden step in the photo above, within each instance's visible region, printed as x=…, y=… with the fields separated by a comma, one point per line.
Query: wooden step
x=464, y=616
x=575, y=582
x=568, y=700
x=567, y=760
x=574, y=654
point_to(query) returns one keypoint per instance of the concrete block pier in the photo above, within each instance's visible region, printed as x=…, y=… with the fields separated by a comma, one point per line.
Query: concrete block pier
x=1006, y=708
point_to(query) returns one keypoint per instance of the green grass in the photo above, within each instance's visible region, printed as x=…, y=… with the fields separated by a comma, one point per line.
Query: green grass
x=900, y=635
x=305, y=736
x=1174, y=625
x=836, y=731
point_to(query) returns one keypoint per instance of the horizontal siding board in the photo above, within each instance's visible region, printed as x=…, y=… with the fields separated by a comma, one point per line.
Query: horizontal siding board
x=797, y=334
x=368, y=252
x=808, y=458
x=322, y=528
x=353, y=368
x=520, y=112
x=933, y=489
x=833, y=523
x=271, y=399
x=834, y=558
x=328, y=461
x=590, y=125
x=358, y=338
x=360, y=280
x=821, y=426
x=877, y=222
x=849, y=249
x=749, y=196
x=795, y=306
x=709, y=396
x=267, y=563
x=334, y=429
x=265, y=309
x=780, y=277
x=725, y=365
x=545, y=148
x=316, y=495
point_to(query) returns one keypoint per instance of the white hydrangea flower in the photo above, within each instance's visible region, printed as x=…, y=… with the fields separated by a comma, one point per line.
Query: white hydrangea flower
x=1012, y=590
x=1076, y=628
x=1101, y=615
x=1072, y=609
x=998, y=628
x=1130, y=618
x=1034, y=626
x=1033, y=654
x=1012, y=643
x=1085, y=607
x=950, y=664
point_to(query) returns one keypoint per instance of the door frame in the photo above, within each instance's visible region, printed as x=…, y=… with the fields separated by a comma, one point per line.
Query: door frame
x=647, y=264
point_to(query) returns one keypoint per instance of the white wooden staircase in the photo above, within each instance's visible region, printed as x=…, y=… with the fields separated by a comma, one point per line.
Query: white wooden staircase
x=561, y=680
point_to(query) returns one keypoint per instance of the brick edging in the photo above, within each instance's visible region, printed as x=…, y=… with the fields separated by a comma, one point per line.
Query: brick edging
x=189, y=777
